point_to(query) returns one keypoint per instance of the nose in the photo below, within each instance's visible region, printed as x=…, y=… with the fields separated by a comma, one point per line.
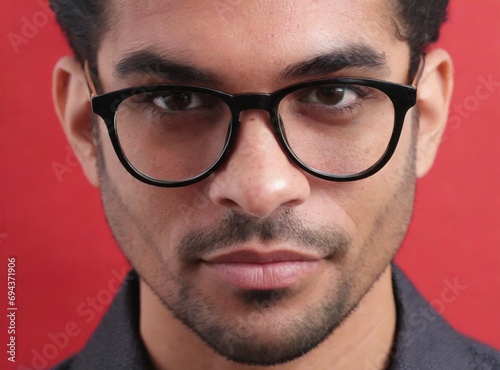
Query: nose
x=258, y=179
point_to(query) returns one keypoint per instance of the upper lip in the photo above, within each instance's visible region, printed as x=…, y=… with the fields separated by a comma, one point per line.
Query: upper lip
x=251, y=256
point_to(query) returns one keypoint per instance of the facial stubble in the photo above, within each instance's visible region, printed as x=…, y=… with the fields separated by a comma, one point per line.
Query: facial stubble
x=238, y=338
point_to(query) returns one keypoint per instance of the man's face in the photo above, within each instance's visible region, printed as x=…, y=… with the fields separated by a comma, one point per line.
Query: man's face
x=261, y=260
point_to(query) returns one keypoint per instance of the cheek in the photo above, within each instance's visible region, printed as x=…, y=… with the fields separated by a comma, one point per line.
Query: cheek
x=386, y=197
x=137, y=212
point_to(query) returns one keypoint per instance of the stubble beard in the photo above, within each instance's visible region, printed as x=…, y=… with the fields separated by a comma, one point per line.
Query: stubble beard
x=262, y=334
x=239, y=339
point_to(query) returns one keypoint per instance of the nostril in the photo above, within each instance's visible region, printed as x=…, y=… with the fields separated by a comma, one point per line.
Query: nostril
x=228, y=203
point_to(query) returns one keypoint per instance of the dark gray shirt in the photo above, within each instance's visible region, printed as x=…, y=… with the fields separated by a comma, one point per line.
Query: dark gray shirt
x=424, y=341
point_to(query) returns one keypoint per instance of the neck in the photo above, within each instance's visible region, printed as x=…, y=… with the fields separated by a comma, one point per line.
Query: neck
x=363, y=341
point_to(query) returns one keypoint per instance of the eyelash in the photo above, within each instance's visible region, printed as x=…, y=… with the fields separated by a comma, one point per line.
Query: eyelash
x=362, y=92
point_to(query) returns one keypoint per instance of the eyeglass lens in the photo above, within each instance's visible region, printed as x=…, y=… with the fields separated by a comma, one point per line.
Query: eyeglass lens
x=338, y=130
x=172, y=135
x=178, y=135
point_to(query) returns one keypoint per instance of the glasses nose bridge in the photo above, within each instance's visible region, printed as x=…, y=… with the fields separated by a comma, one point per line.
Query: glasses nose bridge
x=254, y=101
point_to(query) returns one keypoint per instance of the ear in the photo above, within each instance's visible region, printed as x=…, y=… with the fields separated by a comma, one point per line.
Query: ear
x=433, y=101
x=72, y=104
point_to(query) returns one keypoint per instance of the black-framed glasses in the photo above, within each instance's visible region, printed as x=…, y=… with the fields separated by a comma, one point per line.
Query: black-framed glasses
x=339, y=129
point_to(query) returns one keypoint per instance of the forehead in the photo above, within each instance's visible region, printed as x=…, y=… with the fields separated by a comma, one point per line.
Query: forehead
x=256, y=19
x=246, y=35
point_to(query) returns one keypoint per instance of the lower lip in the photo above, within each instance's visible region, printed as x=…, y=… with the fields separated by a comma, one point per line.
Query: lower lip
x=264, y=276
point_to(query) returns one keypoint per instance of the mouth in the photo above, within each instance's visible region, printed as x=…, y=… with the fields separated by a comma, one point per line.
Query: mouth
x=253, y=270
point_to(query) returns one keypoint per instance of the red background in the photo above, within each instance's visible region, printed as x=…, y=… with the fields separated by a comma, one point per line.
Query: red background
x=53, y=224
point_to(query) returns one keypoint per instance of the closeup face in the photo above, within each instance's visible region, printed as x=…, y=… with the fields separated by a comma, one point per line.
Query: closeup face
x=261, y=259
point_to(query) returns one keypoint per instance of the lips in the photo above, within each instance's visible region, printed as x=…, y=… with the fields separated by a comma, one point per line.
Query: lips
x=252, y=270
x=250, y=256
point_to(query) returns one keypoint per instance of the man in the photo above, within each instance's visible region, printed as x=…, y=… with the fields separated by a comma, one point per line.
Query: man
x=257, y=162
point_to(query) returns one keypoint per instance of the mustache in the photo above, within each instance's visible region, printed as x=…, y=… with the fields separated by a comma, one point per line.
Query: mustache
x=236, y=228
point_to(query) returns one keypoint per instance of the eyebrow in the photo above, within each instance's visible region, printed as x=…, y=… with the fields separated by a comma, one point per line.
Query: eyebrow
x=152, y=63
x=147, y=62
x=355, y=56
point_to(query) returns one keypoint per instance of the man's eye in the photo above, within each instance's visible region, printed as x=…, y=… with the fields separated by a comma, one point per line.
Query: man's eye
x=331, y=96
x=178, y=101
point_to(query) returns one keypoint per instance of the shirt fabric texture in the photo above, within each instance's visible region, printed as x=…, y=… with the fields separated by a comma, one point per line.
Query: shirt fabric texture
x=423, y=341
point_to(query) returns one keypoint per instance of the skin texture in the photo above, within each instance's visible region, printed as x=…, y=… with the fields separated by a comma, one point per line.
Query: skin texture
x=185, y=307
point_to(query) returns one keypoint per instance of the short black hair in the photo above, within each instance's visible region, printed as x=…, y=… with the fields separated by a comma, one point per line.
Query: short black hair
x=85, y=21
x=419, y=23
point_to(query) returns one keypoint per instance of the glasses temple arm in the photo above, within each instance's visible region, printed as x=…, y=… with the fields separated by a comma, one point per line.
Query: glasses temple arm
x=88, y=78
x=420, y=71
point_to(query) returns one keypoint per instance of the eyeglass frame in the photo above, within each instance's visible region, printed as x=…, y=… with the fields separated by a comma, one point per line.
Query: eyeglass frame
x=403, y=98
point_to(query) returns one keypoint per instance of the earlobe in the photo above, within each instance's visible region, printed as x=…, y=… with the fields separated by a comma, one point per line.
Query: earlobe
x=72, y=105
x=433, y=100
